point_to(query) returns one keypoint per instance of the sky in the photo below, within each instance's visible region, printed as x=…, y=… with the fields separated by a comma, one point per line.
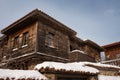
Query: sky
x=97, y=20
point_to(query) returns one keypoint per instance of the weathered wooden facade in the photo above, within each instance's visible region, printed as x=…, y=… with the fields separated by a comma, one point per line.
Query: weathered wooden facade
x=90, y=48
x=37, y=37
x=112, y=51
x=3, y=45
x=77, y=55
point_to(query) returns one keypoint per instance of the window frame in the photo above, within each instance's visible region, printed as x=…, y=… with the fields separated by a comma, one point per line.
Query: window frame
x=16, y=43
x=50, y=41
x=25, y=39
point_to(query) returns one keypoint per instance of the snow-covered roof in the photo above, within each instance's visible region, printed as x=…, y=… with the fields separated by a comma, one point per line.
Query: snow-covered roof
x=103, y=77
x=67, y=67
x=101, y=65
x=78, y=51
x=21, y=74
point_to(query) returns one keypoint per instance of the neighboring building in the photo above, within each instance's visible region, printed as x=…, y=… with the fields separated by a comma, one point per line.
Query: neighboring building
x=112, y=51
x=37, y=37
x=106, y=72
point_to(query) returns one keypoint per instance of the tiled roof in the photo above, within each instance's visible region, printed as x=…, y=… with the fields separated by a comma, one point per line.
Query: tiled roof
x=66, y=67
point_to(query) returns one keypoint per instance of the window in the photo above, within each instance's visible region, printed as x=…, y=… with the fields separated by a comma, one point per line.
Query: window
x=16, y=42
x=50, y=39
x=25, y=38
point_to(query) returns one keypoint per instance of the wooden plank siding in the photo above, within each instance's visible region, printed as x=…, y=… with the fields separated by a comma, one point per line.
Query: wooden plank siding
x=60, y=47
x=112, y=51
x=22, y=49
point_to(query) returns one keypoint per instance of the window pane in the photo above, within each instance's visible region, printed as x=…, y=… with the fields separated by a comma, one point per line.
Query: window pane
x=16, y=42
x=25, y=38
x=50, y=39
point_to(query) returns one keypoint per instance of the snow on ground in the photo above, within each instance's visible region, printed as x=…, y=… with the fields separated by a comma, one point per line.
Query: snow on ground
x=21, y=74
x=67, y=66
x=103, y=77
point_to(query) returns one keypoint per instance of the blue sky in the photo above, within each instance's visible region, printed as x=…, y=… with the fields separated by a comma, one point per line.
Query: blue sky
x=97, y=20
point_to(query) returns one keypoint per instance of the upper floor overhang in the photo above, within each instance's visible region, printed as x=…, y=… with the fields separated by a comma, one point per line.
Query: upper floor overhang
x=37, y=15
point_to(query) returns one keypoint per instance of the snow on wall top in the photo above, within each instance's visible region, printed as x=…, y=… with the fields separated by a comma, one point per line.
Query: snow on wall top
x=75, y=67
x=103, y=77
x=101, y=65
x=78, y=51
x=21, y=74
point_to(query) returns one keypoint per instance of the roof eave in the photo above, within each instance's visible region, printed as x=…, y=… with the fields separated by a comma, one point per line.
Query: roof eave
x=40, y=13
x=89, y=42
x=18, y=21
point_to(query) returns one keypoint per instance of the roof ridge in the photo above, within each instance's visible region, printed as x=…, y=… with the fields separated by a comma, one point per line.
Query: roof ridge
x=41, y=13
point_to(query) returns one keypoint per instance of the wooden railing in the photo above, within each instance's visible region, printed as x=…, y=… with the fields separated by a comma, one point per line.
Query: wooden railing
x=115, y=62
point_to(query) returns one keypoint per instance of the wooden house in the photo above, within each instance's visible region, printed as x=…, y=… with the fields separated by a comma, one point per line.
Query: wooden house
x=112, y=51
x=37, y=37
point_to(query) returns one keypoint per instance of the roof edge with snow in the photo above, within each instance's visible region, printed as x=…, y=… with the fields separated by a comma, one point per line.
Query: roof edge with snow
x=74, y=68
x=21, y=74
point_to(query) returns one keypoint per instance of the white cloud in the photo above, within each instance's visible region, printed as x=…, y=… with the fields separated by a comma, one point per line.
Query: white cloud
x=111, y=12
